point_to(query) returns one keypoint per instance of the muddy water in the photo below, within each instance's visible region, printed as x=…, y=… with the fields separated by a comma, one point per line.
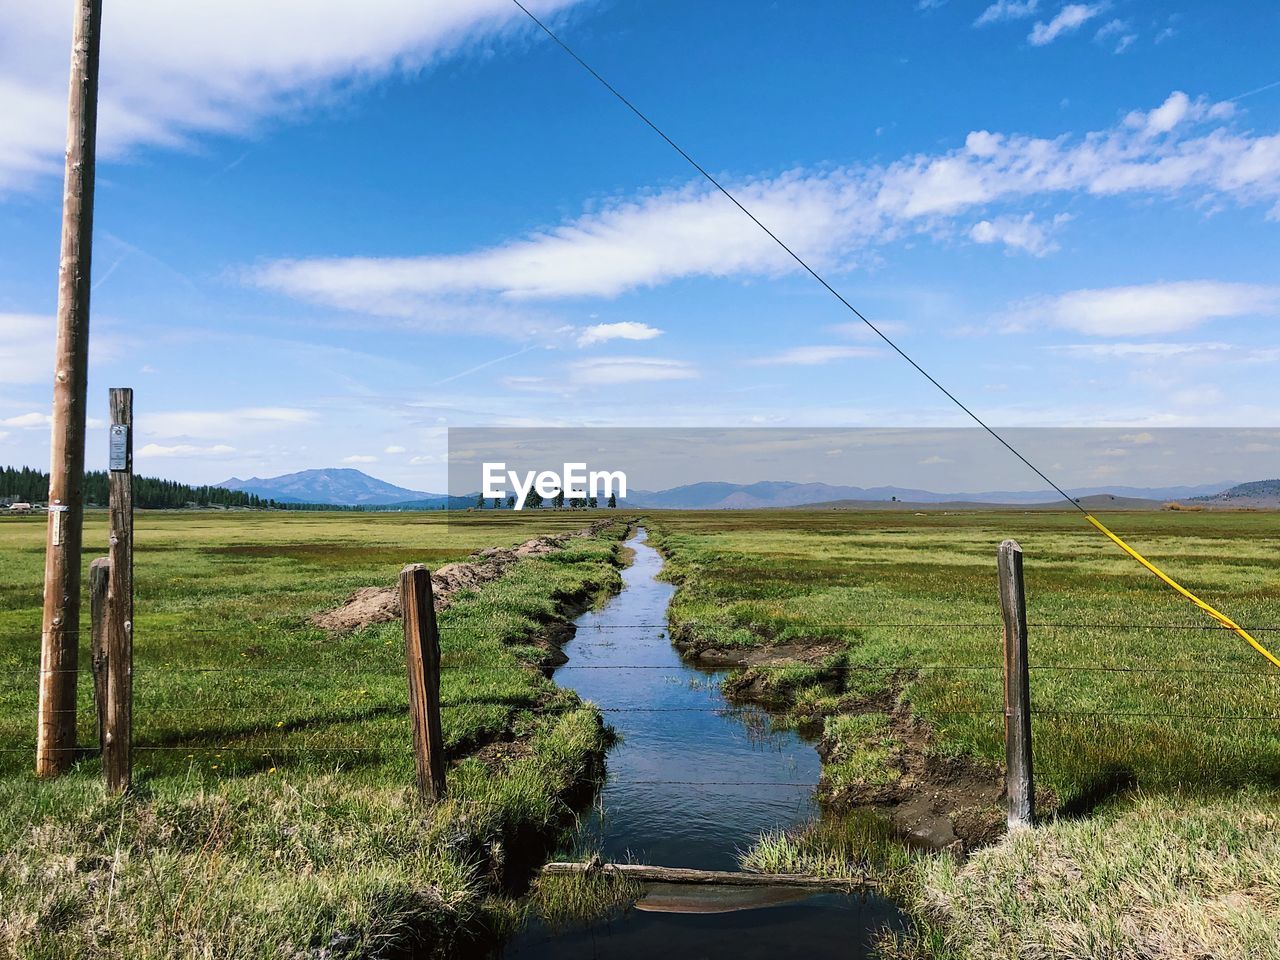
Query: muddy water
x=693, y=782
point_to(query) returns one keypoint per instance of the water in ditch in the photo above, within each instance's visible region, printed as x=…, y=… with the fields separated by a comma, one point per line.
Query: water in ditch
x=691, y=784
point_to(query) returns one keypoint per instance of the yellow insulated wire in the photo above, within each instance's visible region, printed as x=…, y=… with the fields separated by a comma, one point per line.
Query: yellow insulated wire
x=1221, y=617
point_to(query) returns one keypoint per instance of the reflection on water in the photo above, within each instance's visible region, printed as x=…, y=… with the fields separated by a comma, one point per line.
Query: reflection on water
x=692, y=783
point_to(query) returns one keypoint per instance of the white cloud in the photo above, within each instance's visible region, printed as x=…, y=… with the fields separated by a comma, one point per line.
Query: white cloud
x=28, y=421
x=626, y=330
x=1175, y=111
x=934, y=461
x=831, y=217
x=1121, y=31
x=614, y=370
x=171, y=70
x=216, y=424
x=27, y=342
x=394, y=449
x=1152, y=308
x=1003, y=10
x=26, y=348
x=184, y=450
x=815, y=355
x=1019, y=233
x=1139, y=351
x=359, y=458
x=1071, y=17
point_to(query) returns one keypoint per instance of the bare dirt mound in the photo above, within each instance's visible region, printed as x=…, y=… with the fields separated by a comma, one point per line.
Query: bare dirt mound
x=936, y=801
x=370, y=605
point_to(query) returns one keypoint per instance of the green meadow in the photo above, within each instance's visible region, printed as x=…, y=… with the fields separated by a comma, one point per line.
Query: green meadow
x=1156, y=735
x=272, y=812
x=274, y=816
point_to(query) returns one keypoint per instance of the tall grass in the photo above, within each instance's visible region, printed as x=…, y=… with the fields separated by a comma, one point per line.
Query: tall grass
x=272, y=814
x=1130, y=691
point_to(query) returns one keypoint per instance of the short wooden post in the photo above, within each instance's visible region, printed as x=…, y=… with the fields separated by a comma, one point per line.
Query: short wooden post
x=1019, y=783
x=422, y=656
x=117, y=734
x=98, y=573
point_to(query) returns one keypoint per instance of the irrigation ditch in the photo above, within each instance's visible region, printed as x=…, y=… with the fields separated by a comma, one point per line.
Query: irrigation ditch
x=693, y=781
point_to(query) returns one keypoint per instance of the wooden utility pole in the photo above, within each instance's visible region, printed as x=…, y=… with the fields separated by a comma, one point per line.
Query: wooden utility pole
x=117, y=732
x=59, y=639
x=422, y=656
x=1018, y=780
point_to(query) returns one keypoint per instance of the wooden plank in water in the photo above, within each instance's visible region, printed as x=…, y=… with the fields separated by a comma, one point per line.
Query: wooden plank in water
x=731, y=878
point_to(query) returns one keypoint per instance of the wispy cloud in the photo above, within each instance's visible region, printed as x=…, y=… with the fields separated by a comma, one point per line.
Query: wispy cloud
x=1003, y=10
x=814, y=355
x=1069, y=19
x=1120, y=32
x=1139, y=351
x=1183, y=147
x=606, y=371
x=218, y=424
x=239, y=61
x=1153, y=308
x=360, y=458
x=26, y=348
x=1023, y=233
x=626, y=330
x=27, y=421
x=184, y=451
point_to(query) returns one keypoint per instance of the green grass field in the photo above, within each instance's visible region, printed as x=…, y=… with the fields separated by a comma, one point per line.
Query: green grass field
x=1158, y=740
x=272, y=811
x=274, y=814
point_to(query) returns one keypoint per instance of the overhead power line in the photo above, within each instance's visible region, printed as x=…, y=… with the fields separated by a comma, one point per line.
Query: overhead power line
x=791, y=253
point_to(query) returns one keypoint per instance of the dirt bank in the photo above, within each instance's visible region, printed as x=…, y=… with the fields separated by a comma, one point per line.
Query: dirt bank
x=374, y=604
x=933, y=800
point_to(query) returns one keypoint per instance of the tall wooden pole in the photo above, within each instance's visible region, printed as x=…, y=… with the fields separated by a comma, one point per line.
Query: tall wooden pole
x=117, y=728
x=1018, y=779
x=59, y=640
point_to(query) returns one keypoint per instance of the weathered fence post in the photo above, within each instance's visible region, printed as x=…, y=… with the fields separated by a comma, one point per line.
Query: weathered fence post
x=422, y=656
x=117, y=733
x=99, y=571
x=1019, y=782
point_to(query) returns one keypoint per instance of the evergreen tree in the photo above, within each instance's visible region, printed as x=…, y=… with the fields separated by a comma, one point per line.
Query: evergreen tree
x=613, y=501
x=558, y=500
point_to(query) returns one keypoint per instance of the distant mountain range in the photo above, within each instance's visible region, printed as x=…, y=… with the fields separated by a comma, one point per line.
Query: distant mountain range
x=773, y=494
x=350, y=487
x=332, y=485
x=1258, y=493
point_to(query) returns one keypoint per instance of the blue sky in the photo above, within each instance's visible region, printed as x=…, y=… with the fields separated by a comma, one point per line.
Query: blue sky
x=326, y=234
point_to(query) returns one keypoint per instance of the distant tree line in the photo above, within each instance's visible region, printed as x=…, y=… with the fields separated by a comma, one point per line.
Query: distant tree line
x=535, y=501
x=149, y=493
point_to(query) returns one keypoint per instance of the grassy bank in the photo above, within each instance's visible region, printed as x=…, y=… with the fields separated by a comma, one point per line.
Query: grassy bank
x=273, y=815
x=880, y=632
